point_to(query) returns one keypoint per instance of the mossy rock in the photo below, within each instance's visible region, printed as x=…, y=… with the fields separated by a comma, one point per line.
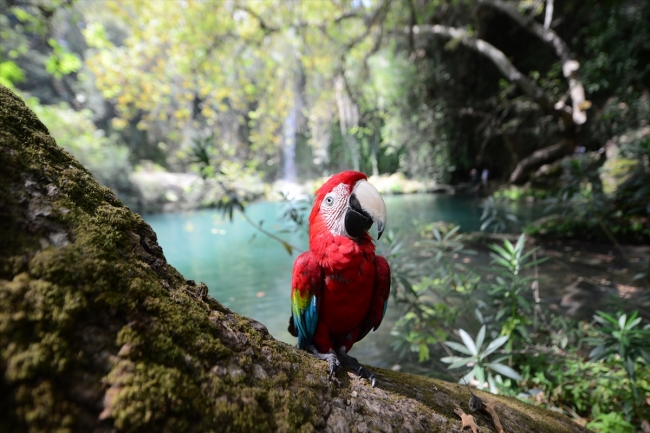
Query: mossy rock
x=99, y=333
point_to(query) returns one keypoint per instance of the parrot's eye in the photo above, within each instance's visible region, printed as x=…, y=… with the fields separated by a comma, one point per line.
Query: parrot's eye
x=329, y=201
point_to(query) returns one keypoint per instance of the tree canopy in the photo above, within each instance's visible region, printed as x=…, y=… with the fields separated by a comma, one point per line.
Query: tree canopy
x=429, y=88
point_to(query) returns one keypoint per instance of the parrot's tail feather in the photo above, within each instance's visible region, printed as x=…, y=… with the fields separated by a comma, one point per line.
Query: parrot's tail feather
x=292, y=327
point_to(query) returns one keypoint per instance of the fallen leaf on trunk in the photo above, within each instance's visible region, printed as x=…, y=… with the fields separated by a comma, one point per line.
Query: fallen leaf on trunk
x=468, y=420
x=489, y=408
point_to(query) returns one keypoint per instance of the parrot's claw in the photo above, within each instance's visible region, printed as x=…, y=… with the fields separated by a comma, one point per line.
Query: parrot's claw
x=363, y=373
x=357, y=367
x=330, y=357
x=372, y=379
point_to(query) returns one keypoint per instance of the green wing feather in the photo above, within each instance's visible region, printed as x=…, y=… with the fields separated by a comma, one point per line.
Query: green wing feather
x=305, y=295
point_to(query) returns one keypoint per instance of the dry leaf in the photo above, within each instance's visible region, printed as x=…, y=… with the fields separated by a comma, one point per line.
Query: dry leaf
x=489, y=408
x=468, y=420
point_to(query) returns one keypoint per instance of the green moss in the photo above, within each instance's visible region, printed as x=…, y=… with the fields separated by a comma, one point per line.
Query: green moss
x=518, y=193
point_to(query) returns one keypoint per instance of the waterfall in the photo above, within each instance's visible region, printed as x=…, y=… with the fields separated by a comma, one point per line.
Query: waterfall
x=290, y=130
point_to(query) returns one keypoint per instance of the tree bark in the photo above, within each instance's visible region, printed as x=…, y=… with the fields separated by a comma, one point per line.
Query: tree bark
x=538, y=158
x=98, y=333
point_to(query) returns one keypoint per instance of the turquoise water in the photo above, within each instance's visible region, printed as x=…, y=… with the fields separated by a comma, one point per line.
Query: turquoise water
x=252, y=275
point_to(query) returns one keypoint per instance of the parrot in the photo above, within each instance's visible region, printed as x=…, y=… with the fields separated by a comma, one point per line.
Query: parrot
x=340, y=287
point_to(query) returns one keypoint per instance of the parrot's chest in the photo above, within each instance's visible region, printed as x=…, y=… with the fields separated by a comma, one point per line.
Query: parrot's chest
x=348, y=294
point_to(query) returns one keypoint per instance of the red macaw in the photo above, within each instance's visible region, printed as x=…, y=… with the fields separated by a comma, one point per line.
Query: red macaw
x=340, y=288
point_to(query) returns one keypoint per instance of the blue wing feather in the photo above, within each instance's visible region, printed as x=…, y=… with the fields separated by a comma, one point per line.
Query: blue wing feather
x=305, y=294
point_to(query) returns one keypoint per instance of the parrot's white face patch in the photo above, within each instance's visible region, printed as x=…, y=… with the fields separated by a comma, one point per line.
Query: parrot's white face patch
x=333, y=207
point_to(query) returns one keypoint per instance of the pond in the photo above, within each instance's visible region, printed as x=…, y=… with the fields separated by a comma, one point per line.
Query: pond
x=251, y=274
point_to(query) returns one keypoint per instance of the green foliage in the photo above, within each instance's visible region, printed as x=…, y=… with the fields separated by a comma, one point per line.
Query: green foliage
x=415, y=128
x=61, y=62
x=616, y=45
x=497, y=215
x=611, y=422
x=599, y=201
x=521, y=348
x=588, y=388
x=10, y=73
x=513, y=308
x=437, y=300
x=517, y=193
x=481, y=370
x=249, y=66
x=621, y=336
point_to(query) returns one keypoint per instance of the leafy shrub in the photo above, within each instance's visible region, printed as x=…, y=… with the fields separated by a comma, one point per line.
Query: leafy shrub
x=521, y=348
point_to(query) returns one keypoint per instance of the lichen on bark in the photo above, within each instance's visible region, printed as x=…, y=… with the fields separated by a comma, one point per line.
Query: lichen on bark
x=99, y=333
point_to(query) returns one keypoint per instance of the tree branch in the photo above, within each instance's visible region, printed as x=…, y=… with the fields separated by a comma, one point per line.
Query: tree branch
x=380, y=12
x=537, y=158
x=501, y=62
x=548, y=16
x=266, y=28
x=569, y=65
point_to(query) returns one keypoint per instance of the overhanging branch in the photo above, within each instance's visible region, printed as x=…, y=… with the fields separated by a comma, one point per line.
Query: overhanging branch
x=500, y=61
x=569, y=65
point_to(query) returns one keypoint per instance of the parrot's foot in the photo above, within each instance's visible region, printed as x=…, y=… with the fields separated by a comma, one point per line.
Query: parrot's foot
x=356, y=366
x=330, y=357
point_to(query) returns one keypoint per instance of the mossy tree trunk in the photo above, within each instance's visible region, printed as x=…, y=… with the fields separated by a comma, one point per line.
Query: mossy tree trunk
x=99, y=333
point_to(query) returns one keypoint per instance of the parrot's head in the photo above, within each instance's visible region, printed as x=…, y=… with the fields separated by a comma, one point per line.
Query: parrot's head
x=347, y=205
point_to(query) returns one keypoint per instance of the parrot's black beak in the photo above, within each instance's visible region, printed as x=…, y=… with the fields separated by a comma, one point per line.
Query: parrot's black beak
x=365, y=207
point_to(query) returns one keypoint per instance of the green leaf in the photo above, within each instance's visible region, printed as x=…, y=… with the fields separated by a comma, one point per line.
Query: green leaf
x=451, y=233
x=450, y=359
x=520, y=243
x=509, y=247
x=504, y=370
x=501, y=251
x=460, y=363
x=644, y=355
x=423, y=352
x=480, y=337
x=621, y=321
x=598, y=352
x=479, y=315
x=469, y=342
x=480, y=376
x=632, y=323
x=458, y=347
x=10, y=73
x=501, y=261
x=493, y=386
x=602, y=315
x=494, y=345
x=469, y=376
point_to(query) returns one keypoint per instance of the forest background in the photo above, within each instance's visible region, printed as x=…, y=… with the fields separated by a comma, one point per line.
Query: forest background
x=551, y=97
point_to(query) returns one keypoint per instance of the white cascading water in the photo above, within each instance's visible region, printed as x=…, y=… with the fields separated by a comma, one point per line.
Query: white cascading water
x=289, y=186
x=290, y=129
